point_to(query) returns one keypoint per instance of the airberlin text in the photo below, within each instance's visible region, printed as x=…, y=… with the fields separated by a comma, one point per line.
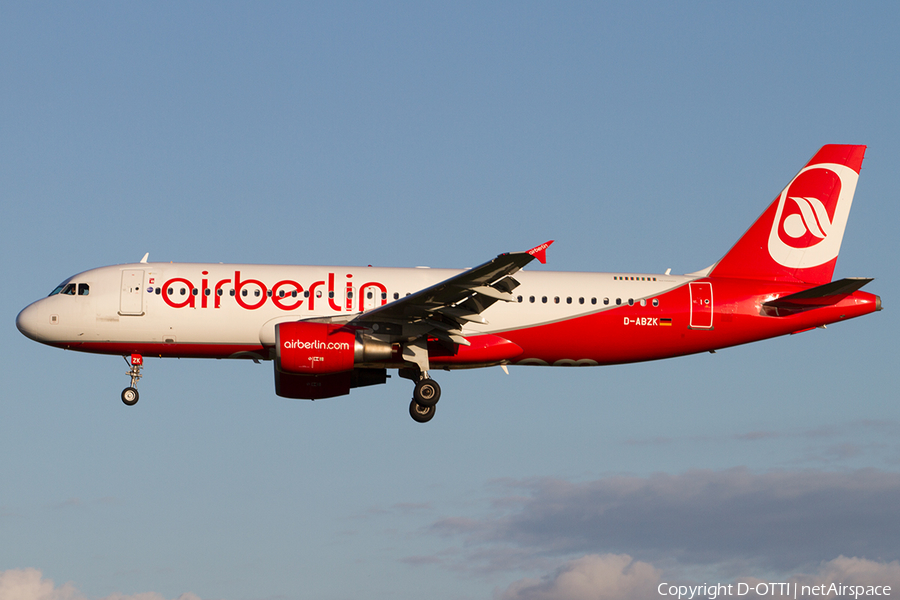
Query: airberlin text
x=315, y=345
x=287, y=294
x=782, y=589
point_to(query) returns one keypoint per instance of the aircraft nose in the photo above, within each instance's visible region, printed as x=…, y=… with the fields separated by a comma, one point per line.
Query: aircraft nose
x=29, y=322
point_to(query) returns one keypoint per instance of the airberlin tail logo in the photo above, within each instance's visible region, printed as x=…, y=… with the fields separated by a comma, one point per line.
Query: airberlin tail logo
x=813, y=219
x=811, y=215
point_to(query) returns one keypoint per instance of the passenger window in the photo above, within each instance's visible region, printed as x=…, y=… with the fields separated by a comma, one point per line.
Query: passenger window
x=519, y=299
x=631, y=302
x=618, y=301
x=556, y=300
x=531, y=299
x=606, y=301
x=581, y=301
x=396, y=295
x=569, y=300
x=83, y=289
x=544, y=299
x=656, y=302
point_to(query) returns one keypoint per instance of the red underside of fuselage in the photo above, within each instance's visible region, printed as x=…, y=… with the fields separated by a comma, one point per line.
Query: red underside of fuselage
x=627, y=333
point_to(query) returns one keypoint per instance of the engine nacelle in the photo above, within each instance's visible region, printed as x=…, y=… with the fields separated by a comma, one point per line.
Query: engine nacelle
x=323, y=348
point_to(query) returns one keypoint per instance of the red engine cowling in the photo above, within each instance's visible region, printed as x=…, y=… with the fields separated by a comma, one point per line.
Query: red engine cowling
x=322, y=348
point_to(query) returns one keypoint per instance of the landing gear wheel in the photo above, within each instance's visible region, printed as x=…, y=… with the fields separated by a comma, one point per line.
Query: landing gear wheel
x=130, y=396
x=427, y=392
x=421, y=414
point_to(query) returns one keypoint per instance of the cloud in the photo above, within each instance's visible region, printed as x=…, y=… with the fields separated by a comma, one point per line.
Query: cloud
x=852, y=571
x=620, y=577
x=29, y=584
x=780, y=520
x=592, y=577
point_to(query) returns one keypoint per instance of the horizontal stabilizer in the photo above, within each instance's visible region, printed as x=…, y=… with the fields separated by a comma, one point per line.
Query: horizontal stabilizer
x=821, y=295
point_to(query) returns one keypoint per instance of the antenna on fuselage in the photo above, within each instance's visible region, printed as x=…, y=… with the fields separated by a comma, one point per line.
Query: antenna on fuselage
x=146, y=256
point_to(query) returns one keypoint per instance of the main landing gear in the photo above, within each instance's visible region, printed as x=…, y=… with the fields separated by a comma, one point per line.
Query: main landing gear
x=425, y=398
x=130, y=394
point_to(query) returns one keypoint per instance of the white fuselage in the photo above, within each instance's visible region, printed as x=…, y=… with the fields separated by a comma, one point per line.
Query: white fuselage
x=239, y=305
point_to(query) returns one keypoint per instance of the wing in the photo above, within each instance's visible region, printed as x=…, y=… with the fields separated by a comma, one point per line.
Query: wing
x=440, y=311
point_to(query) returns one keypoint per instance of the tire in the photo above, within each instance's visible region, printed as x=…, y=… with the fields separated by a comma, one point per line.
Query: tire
x=427, y=392
x=421, y=414
x=130, y=396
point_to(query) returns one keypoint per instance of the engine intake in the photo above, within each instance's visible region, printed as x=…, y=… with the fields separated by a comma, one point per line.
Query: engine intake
x=323, y=348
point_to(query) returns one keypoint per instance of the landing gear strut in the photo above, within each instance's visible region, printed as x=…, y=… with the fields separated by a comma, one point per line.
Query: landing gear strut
x=427, y=392
x=130, y=394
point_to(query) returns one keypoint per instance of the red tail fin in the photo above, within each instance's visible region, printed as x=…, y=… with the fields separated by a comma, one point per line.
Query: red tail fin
x=799, y=236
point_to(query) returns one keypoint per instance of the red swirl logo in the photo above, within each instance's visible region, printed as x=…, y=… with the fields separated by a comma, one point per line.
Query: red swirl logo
x=805, y=219
x=811, y=216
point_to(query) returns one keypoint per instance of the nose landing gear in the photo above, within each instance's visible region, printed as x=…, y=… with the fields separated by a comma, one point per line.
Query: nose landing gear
x=130, y=394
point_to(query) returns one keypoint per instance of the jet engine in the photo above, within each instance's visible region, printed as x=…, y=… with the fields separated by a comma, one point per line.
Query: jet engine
x=322, y=348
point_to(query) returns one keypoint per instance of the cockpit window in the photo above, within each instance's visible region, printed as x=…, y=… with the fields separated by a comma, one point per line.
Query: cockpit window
x=72, y=289
x=58, y=288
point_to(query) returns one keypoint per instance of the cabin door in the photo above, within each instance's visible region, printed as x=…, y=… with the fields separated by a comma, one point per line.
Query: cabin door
x=701, y=305
x=131, y=301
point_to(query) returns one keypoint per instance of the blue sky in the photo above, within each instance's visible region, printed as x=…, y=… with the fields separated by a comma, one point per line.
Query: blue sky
x=640, y=136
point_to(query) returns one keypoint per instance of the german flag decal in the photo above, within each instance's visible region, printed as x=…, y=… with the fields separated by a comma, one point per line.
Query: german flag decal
x=665, y=322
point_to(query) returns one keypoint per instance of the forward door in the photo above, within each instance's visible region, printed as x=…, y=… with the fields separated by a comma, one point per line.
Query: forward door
x=131, y=301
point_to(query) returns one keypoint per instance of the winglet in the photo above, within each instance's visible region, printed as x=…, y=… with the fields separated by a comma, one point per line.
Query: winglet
x=540, y=252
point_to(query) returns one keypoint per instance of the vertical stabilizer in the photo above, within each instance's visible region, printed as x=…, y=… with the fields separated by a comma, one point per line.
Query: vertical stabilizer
x=799, y=236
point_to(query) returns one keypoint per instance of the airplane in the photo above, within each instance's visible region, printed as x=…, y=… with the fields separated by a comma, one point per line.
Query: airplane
x=330, y=329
